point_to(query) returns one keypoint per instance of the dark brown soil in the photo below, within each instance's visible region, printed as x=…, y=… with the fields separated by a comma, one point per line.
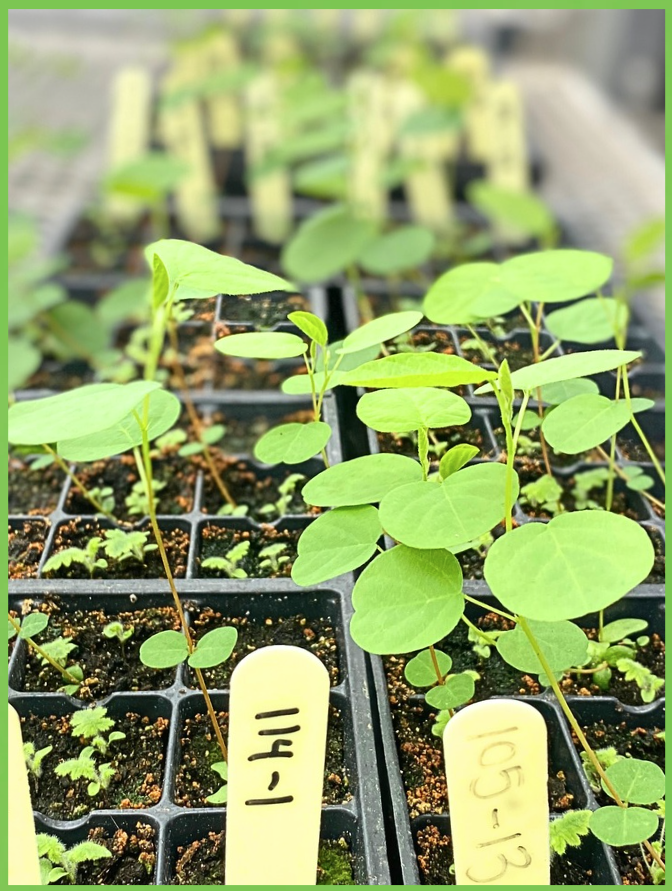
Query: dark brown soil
x=138, y=761
x=133, y=857
x=114, y=248
x=242, y=434
x=25, y=546
x=435, y=859
x=107, y=667
x=217, y=541
x=633, y=449
x=76, y=533
x=451, y=436
x=202, y=862
x=633, y=869
x=66, y=376
x=534, y=453
x=517, y=354
x=657, y=574
x=33, y=491
x=262, y=310
x=252, y=487
x=246, y=374
x=195, y=779
x=203, y=310
x=635, y=742
x=316, y=635
x=176, y=497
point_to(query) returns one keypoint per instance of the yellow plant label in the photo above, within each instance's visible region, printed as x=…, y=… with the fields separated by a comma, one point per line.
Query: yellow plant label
x=277, y=739
x=473, y=65
x=129, y=132
x=24, y=865
x=508, y=163
x=497, y=773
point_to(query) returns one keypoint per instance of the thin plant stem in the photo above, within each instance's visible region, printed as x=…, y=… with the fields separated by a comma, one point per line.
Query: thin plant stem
x=363, y=303
x=549, y=352
x=147, y=465
x=622, y=475
x=195, y=419
x=640, y=432
x=44, y=655
x=490, y=609
x=78, y=483
x=542, y=438
x=423, y=452
x=483, y=346
x=491, y=640
x=576, y=727
x=317, y=400
x=510, y=457
x=435, y=663
x=612, y=449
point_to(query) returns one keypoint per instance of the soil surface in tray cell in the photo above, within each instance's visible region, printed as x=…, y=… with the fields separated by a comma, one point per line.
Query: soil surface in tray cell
x=77, y=533
x=633, y=449
x=202, y=862
x=132, y=862
x=316, y=635
x=435, y=859
x=262, y=310
x=196, y=780
x=529, y=451
x=109, y=249
x=518, y=355
x=33, y=491
x=241, y=434
x=647, y=743
x=231, y=373
x=631, y=865
x=498, y=678
x=174, y=479
x=203, y=310
x=137, y=762
x=271, y=553
x=108, y=665
x=422, y=764
x=25, y=547
x=440, y=440
x=575, y=495
x=253, y=488
x=67, y=376
x=657, y=575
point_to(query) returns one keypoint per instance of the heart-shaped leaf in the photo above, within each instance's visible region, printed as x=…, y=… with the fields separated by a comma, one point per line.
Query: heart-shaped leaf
x=262, y=345
x=337, y=542
x=360, y=481
x=577, y=564
x=214, y=647
x=589, y=321
x=468, y=294
x=429, y=515
x=406, y=600
x=555, y=394
x=402, y=411
x=292, y=443
x=556, y=276
x=456, y=691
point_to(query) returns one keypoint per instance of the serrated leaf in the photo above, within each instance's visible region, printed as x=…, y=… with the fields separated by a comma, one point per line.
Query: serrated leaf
x=164, y=650
x=362, y=480
x=420, y=670
x=406, y=600
x=456, y=691
x=292, y=443
x=311, y=325
x=563, y=644
x=568, y=830
x=337, y=542
x=403, y=411
x=262, y=345
x=587, y=421
x=620, y=827
x=575, y=564
x=428, y=515
x=214, y=647
x=417, y=370
x=88, y=850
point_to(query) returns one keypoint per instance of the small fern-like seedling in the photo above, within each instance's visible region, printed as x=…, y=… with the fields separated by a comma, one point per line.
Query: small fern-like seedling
x=58, y=862
x=91, y=723
x=568, y=830
x=229, y=563
x=34, y=758
x=273, y=557
x=84, y=767
x=286, y=492
x=220, y=796
x=120, y=546
x=104, y=495
x=86, y=556
x=137, y=502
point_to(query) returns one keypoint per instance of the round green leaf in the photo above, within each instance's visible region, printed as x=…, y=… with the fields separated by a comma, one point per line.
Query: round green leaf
x=164, y=410
x=84, y=411
x=337, y=542
x=380, y=330
x=417, y=370
x=619, y=827
x=467, y=294
x=455, y=459
x=563, y=644
x=262, y=345
x=404, y=248
x=613, y=632
x=565, y=368
x=406, y=600
x=522, y=213
x=23, y=359
x=576, y=564
x=555, y=394
x=299, y=384
x=420, y=671
x=636, y=781
x=587, y=421
x=214, y=647
x=292, y=443
x=360, y=481
x=588, y=321
x=32, y=624
x=401, y=411
x=457, y=690
x=429, y=515
x=327, y=243
x=164, y=650
x=556, y=276
x=311, y=325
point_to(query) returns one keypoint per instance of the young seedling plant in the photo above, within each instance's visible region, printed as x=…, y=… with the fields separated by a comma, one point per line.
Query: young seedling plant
x=54, y=652
x=58, y=862
x=545, y=575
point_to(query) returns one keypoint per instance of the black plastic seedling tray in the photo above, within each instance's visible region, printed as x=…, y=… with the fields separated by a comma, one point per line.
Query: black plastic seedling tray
x=646, y=602
x=359, y=820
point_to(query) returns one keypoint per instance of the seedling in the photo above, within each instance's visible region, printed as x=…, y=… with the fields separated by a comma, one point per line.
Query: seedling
x=86, y=556
x=105, y=497
x=221, y=768
x=35, y=758
x=229, y=563
x=58, y=862
x=569, y=830
x=54, y=653
x=137, y=501
x=273, y=557
x=84, y=767
x=91, y=723
x=120, y=546
x=545, y=493
x=116, y=630
x=286, y=492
